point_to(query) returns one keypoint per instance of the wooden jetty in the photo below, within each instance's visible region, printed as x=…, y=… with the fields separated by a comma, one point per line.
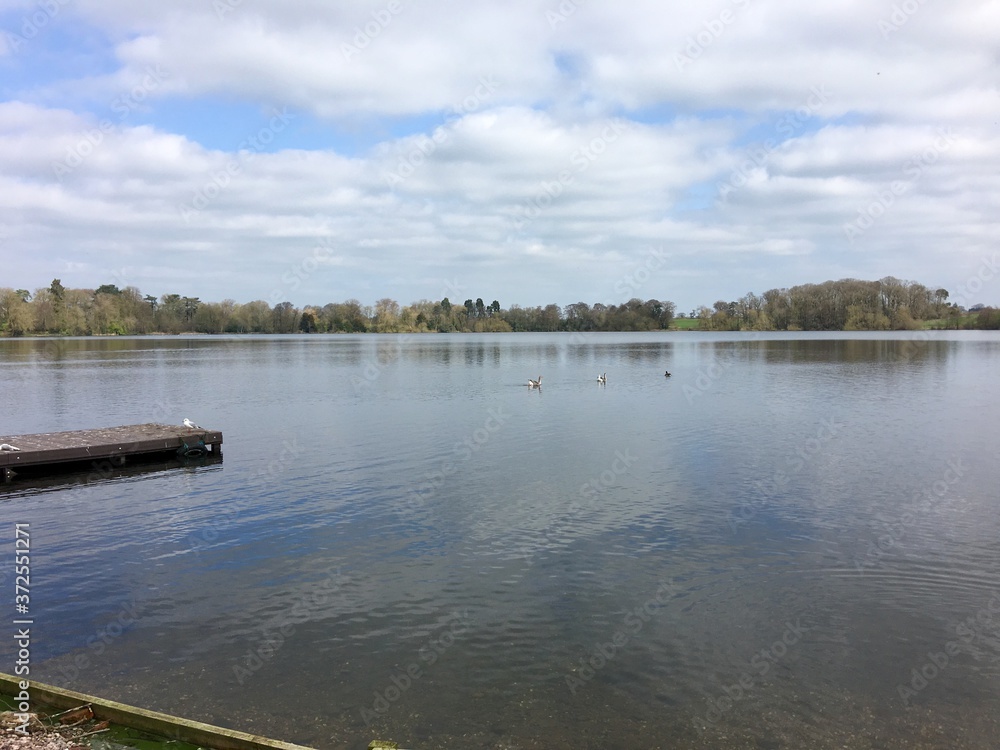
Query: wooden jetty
x=165, y=725
x=55, y=450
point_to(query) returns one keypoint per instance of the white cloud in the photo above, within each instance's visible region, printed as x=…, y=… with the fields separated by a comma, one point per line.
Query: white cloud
x=549, y=159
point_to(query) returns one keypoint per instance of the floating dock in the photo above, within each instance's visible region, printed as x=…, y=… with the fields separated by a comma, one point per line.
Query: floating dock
x=165, y=725
x=114, y=445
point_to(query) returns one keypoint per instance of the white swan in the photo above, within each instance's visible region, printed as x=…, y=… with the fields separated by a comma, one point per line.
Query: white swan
x=190, y=425
x=535, y=383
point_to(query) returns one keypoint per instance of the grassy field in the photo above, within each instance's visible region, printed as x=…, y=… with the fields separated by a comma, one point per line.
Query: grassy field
x=685, y=324
x=949, y=322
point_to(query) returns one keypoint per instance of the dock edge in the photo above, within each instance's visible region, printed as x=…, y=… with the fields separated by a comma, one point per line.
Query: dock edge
x=172, y=727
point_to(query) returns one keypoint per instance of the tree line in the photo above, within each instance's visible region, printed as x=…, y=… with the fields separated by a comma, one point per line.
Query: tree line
x=848, y=304
x=845, y=305
x=109, y=310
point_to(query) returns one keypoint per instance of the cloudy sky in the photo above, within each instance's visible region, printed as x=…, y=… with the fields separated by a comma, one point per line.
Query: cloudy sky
x=529, y=151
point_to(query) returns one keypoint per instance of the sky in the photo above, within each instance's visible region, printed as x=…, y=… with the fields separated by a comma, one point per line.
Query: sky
x=530, y=151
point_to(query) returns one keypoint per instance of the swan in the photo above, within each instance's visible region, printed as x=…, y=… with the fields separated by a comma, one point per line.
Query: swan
x=535, y=383
x=190, y=425
x=602, y=378
x=8, y=447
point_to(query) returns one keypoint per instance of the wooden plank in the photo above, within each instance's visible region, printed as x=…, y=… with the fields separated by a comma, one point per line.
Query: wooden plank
x=85, y=445
x=108, y=443
x=165, y=725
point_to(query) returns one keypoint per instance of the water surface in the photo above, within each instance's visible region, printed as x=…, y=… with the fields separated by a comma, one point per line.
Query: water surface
x=405, y=542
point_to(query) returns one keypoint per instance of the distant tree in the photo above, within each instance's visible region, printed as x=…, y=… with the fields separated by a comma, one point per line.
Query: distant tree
x=577, y=317
x=550, y=318
x=211, y=317
x=58, y=292
x=861, y=319
x=107, y=289
x=987, y=318
x=16, y=317
x=777, y=306
x=77, y=304
x=307, y=323
x=285, y=317
x=170, y=314
x=470, y=308
x=255, y=317
x=386, y=318
x=480, y=308
x=103, y=316
x=445, y=306
x=667, y=314
x=190, y=305
x=516, y=317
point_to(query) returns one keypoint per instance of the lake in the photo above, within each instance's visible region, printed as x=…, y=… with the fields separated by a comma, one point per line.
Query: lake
x=794, y=541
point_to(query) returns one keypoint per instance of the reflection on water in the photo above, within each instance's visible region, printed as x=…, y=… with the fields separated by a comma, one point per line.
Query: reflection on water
x=405, y=542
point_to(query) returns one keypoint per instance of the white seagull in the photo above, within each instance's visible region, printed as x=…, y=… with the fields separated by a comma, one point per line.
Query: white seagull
x=535, y=383
x=191, y=425
x=602, y=378
x=8, y=447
